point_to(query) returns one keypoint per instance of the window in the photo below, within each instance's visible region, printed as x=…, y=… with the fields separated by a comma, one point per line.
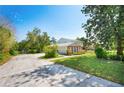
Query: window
x=75, y=49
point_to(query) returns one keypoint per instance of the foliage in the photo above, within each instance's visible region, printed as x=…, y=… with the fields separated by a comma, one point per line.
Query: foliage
x=85, y=42
x=45, y=40
x=100, y=53
x=105, y=25
x=50, y=51
x=13, y=52
x=35, y=42
x=1, y=56
x=23, y=46
x=53, y=40
x=4, y=57
x=116, y=57
x=6, y=39
x=108, y=69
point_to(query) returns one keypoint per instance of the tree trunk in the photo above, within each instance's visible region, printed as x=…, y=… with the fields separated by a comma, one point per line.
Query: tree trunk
x=119, y=49
x=119, y=45
x=120, y=32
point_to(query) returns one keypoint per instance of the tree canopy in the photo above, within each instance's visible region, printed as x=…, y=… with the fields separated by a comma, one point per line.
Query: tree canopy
x=85, y=42
x=35, y=41
x=7, y=39
x=105, y=25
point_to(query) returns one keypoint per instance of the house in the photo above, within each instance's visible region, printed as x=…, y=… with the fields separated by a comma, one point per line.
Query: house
x=66, y=46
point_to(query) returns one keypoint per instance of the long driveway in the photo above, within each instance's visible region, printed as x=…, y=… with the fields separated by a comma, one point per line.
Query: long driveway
x=29, y=70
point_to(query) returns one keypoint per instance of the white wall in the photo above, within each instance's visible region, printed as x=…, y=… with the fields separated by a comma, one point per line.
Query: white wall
x=62, y=49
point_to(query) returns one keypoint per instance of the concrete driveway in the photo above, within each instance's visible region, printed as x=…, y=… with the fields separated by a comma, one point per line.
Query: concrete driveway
x=29, y=70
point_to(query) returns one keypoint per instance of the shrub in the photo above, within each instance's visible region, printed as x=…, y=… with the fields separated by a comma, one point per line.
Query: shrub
x=100, y=53
x=50, y=51
x=1, y=56
x=32, y=51
x=13, y=52
x=116, y=57
x=123, y=58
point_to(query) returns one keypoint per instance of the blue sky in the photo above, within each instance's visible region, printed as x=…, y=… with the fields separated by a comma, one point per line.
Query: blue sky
x=57, y=21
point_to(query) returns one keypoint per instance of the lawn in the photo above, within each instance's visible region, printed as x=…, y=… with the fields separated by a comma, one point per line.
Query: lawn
x=107, y=69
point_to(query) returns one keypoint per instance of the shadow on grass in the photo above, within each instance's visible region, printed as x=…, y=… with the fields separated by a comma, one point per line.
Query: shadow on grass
x=107, y=69
x=54, y=75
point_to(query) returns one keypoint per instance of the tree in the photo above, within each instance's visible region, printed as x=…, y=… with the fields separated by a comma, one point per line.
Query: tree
x=35, y=42
x=7, y=39
x=105, y=25
x=84, y=41
x=45, y=40
x=120, y=31
x=22, y=46
x=53, y=40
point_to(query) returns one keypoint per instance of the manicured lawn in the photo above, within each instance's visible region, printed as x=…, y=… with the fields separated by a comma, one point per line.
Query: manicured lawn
x=107, y=69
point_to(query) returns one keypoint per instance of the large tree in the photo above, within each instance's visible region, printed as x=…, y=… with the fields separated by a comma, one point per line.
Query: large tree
x=45, y=40
x=105, y=25
x=35, y=42
x=7, y=39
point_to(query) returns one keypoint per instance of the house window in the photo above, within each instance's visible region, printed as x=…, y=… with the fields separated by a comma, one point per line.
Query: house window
x=75, y=49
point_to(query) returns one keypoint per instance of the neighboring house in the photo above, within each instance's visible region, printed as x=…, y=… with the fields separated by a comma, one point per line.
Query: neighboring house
x=69, y=46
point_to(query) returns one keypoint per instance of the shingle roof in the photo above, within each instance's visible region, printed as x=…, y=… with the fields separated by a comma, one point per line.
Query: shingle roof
x=76, y=43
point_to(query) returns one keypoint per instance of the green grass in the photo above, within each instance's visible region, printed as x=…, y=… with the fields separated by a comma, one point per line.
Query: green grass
x=107, y=69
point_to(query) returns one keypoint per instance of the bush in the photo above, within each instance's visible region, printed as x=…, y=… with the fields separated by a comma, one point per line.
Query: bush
x=13, y=52
x=4, y=57
x=50, y=51
x=32, y=51
x=100, y=53
x=1, y=56
x=116, y=57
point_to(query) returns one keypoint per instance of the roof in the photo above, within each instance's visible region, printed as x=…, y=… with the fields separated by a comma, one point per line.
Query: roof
x=65, y=40
x=64, y=44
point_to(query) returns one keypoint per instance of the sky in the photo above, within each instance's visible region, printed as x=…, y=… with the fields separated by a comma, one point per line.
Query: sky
x=58, y=21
